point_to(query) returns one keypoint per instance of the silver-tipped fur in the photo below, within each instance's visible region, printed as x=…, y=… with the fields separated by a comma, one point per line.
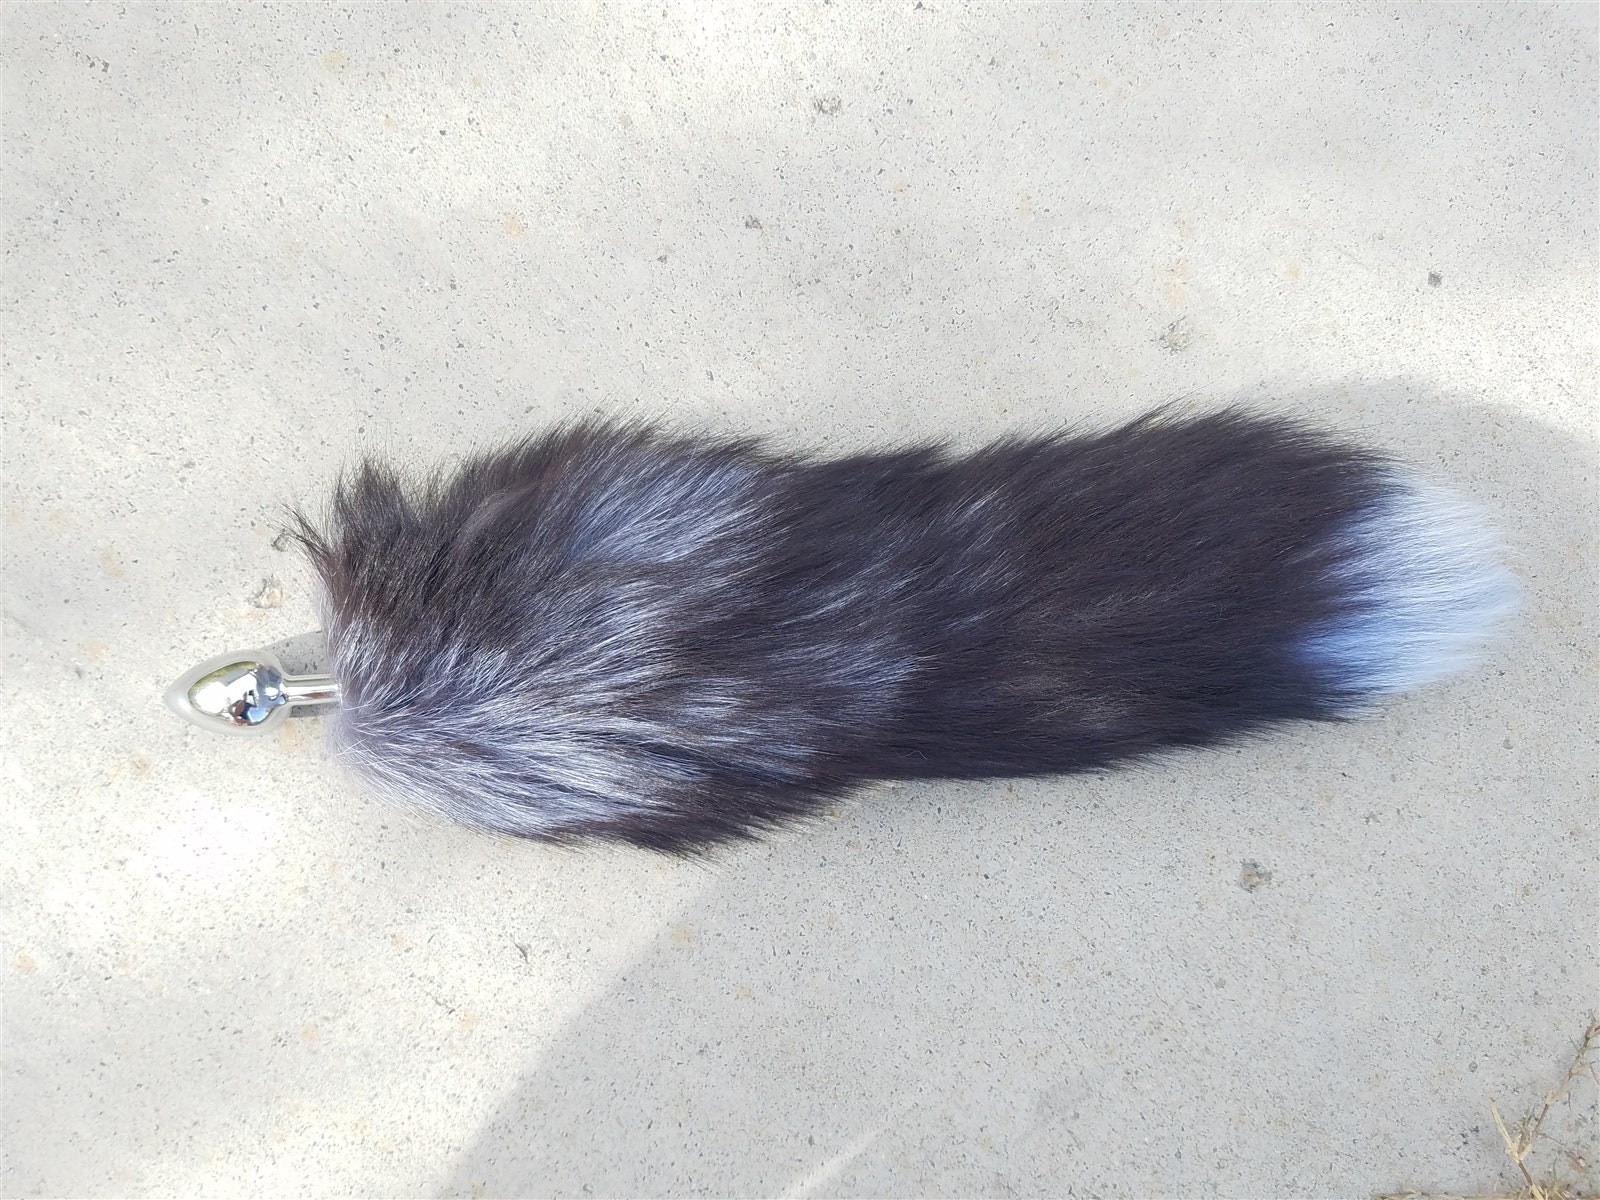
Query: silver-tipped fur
x=614, y=631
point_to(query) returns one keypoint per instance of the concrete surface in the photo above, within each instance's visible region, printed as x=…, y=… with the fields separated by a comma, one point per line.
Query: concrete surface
x=245, y=244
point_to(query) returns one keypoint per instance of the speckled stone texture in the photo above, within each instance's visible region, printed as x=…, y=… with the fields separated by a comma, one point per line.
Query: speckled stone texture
x=245, y=244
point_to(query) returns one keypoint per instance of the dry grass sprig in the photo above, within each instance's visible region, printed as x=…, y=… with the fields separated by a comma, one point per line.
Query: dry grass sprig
x=1529, y=1134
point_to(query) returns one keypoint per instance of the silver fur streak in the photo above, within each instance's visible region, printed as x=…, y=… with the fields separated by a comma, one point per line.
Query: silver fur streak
x=612, y=631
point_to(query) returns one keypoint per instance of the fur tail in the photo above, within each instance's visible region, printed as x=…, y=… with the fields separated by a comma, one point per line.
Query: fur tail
x=1420, y=590
x=609, y=631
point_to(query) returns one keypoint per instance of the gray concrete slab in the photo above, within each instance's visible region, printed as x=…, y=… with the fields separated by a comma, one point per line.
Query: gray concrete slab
x=245, y=244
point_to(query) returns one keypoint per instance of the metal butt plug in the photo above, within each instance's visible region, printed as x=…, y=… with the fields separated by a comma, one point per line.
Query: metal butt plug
x=245, y=693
